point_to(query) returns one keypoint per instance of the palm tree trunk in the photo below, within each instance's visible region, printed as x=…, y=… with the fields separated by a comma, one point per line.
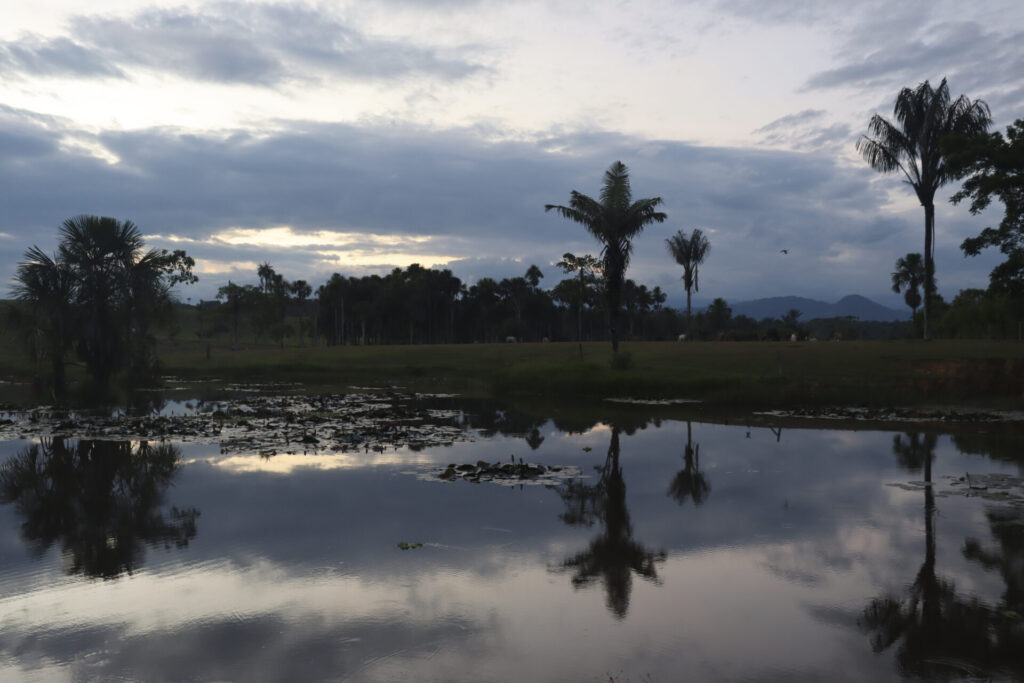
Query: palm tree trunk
x=689, y=315
x=579, y=312
x=929, y=262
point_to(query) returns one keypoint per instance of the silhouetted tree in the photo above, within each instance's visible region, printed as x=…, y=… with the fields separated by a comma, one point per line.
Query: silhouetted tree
x=238, y=299
x=994, y=167
x=47, y=287
x=909, y=276
x=718, y=314
x=587, y=267
x=924, y=117
x=103, y=292
x=301, y=289
x=689, y=251
x=614, y=221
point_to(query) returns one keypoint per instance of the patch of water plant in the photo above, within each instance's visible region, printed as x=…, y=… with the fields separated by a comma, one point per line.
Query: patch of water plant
x=995, y=487
x=263, y=424
x=894, y=414
x=511, y=472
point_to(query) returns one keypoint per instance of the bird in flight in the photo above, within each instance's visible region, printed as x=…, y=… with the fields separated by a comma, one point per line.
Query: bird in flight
x=783, y=251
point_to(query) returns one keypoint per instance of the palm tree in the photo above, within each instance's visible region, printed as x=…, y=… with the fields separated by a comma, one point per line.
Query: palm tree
x=614, y=221
x=909, y=275
x=925, y=116
x=689, y=252
x=47, y=287
x=102, y=293
x=101, y=251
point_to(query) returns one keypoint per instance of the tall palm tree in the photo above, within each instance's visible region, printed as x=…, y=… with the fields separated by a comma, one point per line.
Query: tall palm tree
x=614, y=221
x=909, y=276
x=924, y=116
x=689, y=251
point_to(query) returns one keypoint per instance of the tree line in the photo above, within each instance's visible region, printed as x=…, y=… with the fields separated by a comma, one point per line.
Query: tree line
x=417, y=305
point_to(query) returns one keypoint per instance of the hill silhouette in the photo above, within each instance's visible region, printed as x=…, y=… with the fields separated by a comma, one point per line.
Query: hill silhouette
x=858, y=306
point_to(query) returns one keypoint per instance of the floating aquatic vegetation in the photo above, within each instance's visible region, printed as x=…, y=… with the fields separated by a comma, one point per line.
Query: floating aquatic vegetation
x=265, y=424
x=998, y=488
x=509, y=473
x=895, y=415
x=655, y=401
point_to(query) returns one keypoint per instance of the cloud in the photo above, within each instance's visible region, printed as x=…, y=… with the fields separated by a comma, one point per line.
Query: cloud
x=319, y=198
x=982, y=60
x=231, y=43
x=35, y=56
x=789, y=120
x=804, y=131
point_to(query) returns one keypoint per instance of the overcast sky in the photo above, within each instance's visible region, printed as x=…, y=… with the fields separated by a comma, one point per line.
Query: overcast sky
x=355, y=137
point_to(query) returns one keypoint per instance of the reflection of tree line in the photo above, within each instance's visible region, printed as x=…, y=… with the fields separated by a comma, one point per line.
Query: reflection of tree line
x=101, y=500
x=943, y=634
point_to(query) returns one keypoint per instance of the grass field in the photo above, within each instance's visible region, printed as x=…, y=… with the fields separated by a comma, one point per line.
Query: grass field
x=727, y=374
x=970, y=373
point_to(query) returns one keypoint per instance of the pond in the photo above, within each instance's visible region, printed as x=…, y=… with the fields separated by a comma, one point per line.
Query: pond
x=334, y=542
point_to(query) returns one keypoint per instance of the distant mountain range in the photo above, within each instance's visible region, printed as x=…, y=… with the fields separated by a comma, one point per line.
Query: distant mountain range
x=858, y=306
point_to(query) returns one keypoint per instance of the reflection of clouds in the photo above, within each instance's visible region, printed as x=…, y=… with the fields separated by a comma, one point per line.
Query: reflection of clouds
x=286, y=463
x=261, y=620
x=795, y=539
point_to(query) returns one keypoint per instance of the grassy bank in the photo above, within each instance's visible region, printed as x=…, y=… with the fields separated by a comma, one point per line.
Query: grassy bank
x=730, y=375
x=979, y=373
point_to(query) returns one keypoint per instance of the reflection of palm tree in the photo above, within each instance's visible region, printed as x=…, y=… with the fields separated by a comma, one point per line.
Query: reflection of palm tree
x=915, y=451
x=100, y=499
x=1006, y=525
x=690, y=482
x=943, y=635
x=613, y=555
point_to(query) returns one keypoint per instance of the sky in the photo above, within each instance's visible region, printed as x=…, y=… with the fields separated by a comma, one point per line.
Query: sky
x=354, y=137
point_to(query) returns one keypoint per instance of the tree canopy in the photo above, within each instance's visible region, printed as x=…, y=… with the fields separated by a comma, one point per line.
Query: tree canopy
x=993, y=166
x=102, y=295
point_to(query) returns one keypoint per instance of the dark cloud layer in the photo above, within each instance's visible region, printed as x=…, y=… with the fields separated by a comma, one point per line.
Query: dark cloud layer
x=477, y=200
x=233, y=43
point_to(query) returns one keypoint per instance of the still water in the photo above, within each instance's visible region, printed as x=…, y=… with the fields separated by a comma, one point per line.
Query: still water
x=660, y=551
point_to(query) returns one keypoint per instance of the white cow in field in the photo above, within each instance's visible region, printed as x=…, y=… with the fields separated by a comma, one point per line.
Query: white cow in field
x=510, y=340
x=682, y=337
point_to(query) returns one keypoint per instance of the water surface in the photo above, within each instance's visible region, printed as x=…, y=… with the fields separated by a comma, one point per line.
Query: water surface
x=681, y=550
